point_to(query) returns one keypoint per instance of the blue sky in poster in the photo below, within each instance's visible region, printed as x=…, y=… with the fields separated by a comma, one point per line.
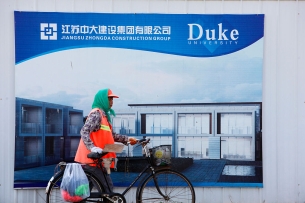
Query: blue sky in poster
x=72, y=77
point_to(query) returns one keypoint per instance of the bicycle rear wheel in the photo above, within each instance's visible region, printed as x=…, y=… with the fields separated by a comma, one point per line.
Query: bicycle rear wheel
x=174, y=186
x=54, y=194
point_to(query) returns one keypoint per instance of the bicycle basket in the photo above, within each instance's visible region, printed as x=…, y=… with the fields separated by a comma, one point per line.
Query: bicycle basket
x=161, y=155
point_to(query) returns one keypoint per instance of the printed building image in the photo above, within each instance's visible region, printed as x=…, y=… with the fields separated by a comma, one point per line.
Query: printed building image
x=46, y=133
x=202, y=131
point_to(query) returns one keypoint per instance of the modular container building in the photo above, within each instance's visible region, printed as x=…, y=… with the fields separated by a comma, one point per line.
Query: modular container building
x=46, y=133
x=199, y=130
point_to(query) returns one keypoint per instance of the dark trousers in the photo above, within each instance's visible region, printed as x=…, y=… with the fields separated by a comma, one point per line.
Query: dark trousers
x=101, y=175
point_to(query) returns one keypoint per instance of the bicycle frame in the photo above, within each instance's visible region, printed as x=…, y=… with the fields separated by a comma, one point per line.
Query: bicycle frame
x=136, y=179
x=148, y=166
x=97, y=160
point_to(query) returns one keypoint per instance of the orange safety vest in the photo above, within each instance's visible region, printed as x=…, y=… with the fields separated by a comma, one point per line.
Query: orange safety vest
x=99, y=138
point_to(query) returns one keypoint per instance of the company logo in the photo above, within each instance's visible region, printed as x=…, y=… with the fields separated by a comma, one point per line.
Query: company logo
x=212, y=38
x=48, y=31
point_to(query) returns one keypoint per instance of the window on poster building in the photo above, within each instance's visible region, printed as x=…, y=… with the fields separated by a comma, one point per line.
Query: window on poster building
x=156, y=123
x=124, y=124
x=31, y=150
x=53, y=121
x=195, y=146
x=195, y=123
x=235, y=123
x=237, y=133
x=236, y=148
x=31, y=120
x=75, y=122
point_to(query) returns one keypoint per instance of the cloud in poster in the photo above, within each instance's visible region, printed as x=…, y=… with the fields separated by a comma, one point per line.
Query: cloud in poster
x=73, y=77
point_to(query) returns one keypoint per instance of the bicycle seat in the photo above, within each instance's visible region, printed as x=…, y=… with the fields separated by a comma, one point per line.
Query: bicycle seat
x=94, y=155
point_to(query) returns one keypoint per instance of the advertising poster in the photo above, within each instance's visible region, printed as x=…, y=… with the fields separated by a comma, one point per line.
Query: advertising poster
x=190, y=81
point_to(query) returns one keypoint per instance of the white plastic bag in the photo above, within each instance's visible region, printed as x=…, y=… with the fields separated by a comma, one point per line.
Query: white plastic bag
x=75, y=185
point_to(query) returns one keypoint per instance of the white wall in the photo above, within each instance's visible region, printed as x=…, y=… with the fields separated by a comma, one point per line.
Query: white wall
x=283, y=91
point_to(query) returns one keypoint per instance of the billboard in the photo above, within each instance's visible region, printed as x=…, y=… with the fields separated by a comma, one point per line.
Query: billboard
x=63, y=59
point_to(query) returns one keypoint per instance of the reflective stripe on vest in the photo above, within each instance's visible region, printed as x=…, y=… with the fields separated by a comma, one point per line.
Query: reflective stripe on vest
x=105, y=127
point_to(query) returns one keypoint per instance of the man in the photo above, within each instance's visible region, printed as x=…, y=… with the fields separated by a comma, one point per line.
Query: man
x=97, y=131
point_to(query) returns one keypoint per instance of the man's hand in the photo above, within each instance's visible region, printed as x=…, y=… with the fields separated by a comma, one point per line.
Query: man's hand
x=96, y=150
x=132, y=140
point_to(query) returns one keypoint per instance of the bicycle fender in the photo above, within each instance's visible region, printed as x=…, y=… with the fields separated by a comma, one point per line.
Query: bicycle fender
x=52, y=178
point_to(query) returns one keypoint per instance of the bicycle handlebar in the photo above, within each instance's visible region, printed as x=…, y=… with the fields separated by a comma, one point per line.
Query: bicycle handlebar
x=141, y=141
x=144, y=141
x=95, y=155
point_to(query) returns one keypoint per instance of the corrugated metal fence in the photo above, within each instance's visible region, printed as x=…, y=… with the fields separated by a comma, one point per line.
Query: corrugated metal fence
x=283, y=91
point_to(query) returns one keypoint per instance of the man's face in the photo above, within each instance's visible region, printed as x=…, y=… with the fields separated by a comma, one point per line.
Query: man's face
x=110, y=99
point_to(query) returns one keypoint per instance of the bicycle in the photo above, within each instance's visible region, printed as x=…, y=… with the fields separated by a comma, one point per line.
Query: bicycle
x=159, y=185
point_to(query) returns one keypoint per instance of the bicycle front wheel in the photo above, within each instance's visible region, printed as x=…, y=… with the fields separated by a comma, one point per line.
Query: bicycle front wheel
x=54, y=193
x=174, y=187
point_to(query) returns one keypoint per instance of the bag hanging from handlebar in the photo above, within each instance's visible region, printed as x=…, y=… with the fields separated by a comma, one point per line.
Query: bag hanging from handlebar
x=75, y=185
